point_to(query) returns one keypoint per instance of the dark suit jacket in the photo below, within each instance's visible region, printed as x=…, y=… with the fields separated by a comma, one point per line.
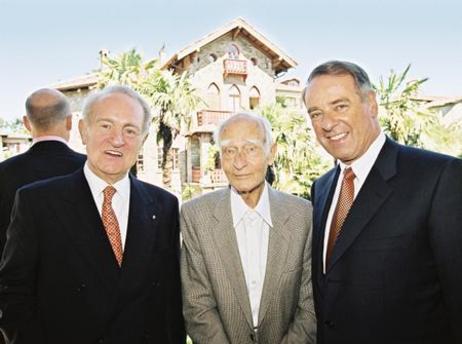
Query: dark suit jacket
x=60, y=282
x=396, y=270
x=43, y=160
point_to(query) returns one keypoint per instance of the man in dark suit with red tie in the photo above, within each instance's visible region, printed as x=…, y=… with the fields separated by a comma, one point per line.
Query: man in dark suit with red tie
x=92, y=257
x=387, y=234
x=49, y=121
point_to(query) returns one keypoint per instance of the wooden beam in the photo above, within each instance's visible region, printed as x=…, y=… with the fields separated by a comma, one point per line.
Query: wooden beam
x=236, y=32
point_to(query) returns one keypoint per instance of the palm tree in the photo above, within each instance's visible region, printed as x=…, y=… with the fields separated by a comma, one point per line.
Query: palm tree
x=172, y=97
x=405, y=120
x=298, y=162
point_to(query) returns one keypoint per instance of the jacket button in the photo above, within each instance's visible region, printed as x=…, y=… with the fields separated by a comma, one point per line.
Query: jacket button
x=252, y=337
x=329, y=323
x=100, y=340
x=155, y=284
x=81, y=287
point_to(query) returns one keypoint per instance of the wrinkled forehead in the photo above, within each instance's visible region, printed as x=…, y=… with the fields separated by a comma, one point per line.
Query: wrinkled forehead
x=239, y=143
x=241, y=129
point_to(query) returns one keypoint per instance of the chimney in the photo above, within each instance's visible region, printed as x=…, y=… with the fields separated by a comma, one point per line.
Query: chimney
x=103, y=54
x=162, y=54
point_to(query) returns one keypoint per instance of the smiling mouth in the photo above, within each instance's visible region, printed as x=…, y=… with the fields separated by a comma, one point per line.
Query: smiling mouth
x=337, y=137
x=113, y=153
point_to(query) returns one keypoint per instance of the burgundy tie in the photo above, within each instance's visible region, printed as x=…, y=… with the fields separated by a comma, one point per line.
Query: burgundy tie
x=345, y=200
x=111, y=225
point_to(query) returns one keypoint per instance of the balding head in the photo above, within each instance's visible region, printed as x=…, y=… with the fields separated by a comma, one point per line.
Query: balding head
x=48, y=113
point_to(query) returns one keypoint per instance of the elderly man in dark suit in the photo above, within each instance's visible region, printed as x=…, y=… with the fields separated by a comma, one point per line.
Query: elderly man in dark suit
x=92, y=257
x=387, y=237
x=49, y=121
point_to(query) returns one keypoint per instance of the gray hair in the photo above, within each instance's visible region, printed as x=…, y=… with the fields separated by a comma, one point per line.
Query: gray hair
x=262, y=121
x=46, y=107
x=334, y=67
x=118, y=89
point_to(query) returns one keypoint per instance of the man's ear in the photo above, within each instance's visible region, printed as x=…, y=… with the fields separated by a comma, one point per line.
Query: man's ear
x=69, y=123
x=372, y=103
x=26, y=122
x=83, y=131
x=272, y=154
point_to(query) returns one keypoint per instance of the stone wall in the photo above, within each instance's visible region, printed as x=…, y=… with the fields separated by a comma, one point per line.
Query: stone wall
x=205, y=71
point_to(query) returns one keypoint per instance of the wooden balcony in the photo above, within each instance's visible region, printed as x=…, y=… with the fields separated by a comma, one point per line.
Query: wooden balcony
x=211, y=117
x=216, y=176
x=235, y=67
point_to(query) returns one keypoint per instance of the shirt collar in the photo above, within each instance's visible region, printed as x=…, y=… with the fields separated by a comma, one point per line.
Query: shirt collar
x=48, y=138
x=362, y=166
x=97, y=185
x=239, y=208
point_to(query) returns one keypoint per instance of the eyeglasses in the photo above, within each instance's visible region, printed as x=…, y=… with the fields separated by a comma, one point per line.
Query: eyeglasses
x=250, y=150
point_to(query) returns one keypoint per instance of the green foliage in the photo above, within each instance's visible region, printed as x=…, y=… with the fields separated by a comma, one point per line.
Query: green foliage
x=171, y=96
x=406, y=120
x=298, y=162
x=190, y=191
x=213, y=154
x=13, y=126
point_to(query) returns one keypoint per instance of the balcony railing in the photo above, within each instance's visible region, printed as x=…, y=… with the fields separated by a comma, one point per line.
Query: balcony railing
x=217, y=176
x=235, y=67
x=211, y=117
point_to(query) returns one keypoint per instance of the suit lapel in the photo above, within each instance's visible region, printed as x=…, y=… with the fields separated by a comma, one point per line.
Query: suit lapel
x=372, y=195
x=226, y=243
x=278, y=246
x=324, y=192
x=140, y=233
x=83, y=224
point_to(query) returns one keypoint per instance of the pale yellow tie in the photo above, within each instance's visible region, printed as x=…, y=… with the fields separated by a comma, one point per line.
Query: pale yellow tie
x=111, y=225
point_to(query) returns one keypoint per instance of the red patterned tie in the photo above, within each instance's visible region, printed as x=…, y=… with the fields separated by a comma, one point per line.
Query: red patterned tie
x=345, y=200
x=111, y=225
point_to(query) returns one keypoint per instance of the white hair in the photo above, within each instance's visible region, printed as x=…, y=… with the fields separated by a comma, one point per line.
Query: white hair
x=262, y=121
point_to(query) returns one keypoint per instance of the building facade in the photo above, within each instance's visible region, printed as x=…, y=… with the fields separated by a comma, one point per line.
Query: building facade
x=235, y=68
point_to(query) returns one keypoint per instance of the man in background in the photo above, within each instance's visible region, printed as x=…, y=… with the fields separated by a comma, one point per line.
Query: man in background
x=49, y=121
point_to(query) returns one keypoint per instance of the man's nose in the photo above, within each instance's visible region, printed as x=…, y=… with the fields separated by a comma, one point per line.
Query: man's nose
x=240, y=161
x=117, y=138
x=328, y=121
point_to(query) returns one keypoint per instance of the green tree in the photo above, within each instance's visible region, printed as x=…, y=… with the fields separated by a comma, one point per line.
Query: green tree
x=298, y=161
x=13, y=126
x=171, y=96
x=406, y=120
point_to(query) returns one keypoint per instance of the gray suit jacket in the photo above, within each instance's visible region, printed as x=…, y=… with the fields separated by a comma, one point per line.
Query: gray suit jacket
x=216, y=303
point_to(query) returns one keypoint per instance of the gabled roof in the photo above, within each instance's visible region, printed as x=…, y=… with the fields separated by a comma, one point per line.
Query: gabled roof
x=84, y=81
x=238, y=27
x=438, y=101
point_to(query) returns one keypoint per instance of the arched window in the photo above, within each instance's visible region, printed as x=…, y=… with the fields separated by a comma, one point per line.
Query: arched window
x=212, y=57
x=234, y=97
x=233, y=51
x=254, y=98
x=213, y=97
x=195, y=152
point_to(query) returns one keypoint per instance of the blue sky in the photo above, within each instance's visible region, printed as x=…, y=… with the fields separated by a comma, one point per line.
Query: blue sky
x=42, y=42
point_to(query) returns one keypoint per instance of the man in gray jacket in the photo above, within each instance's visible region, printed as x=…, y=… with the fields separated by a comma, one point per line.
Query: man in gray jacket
x=245, y=262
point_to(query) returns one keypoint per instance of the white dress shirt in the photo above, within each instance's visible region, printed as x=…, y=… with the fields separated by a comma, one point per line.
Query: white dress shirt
x=361, y=168
x=120, y=200
x=252, y=232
